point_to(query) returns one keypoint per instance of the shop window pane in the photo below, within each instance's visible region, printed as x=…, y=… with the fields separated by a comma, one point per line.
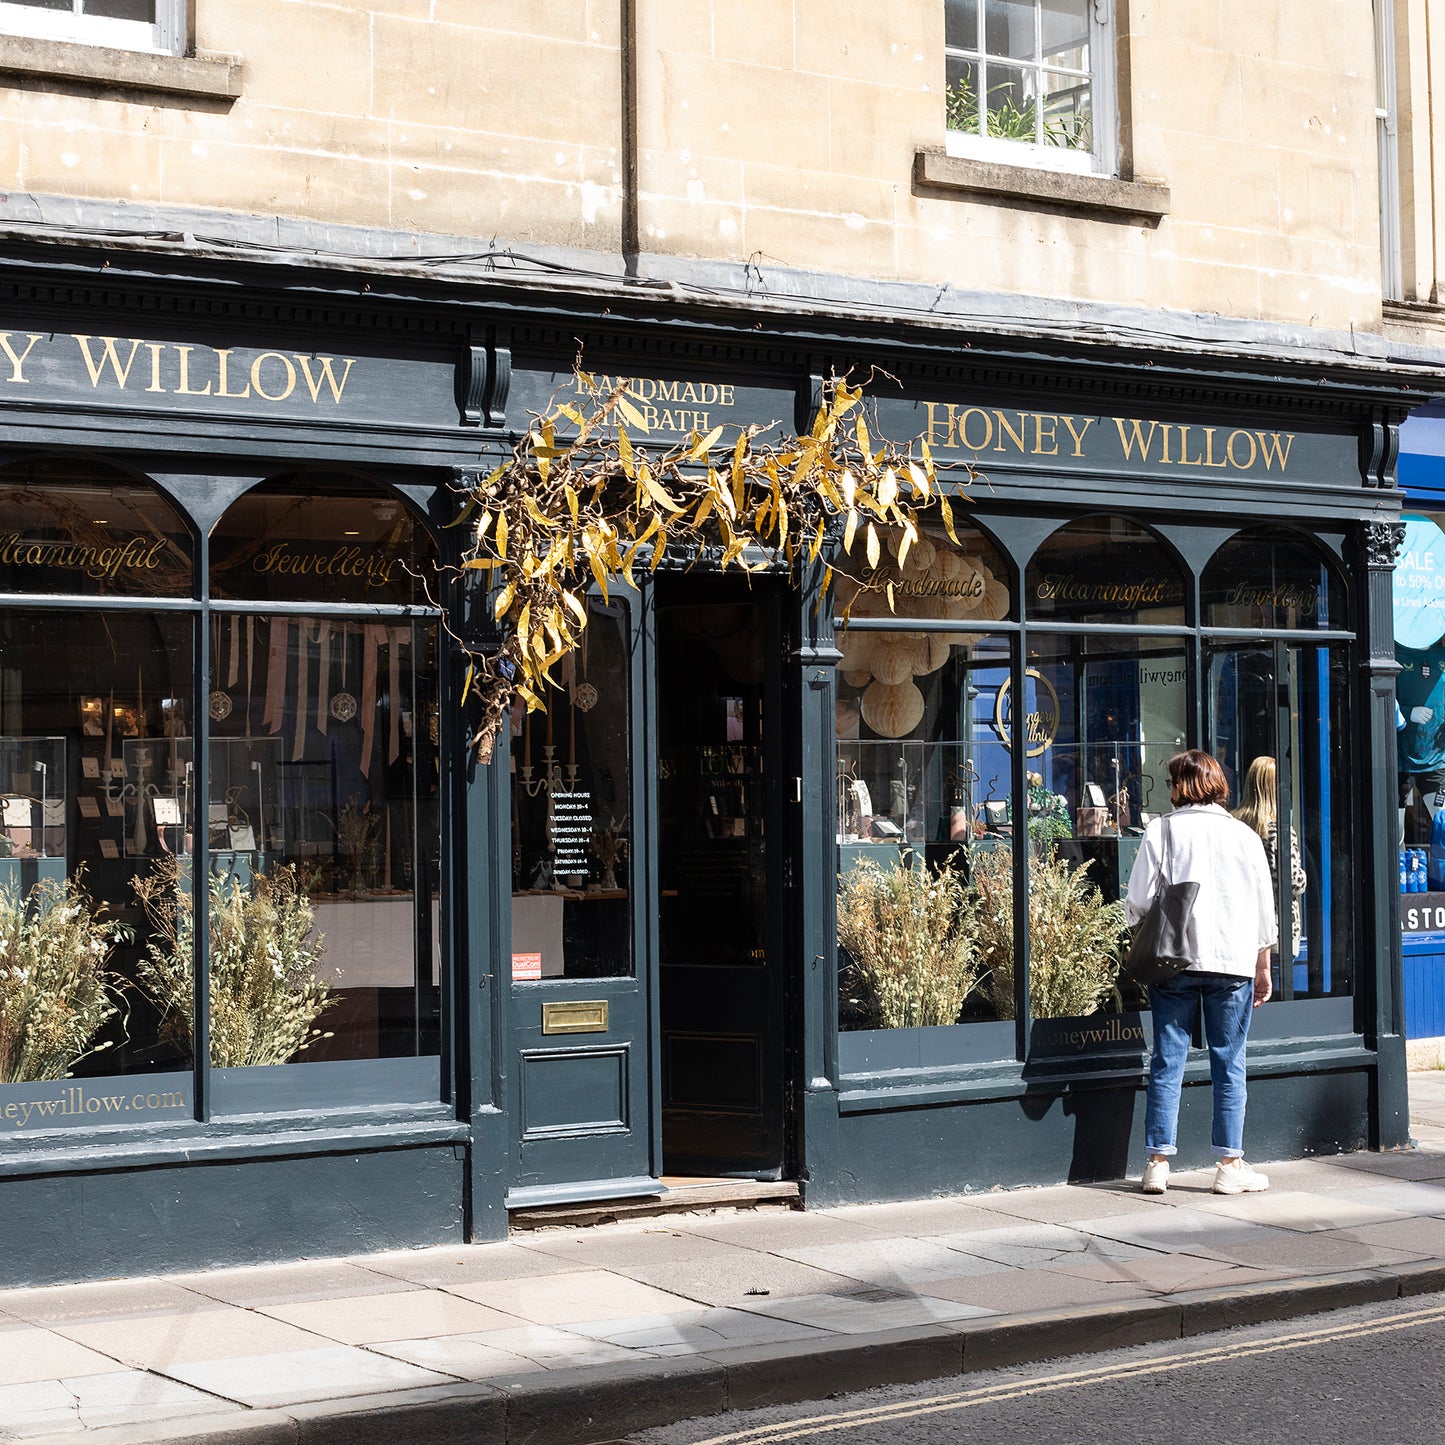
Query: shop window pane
x=1278, y=718
x=1111, y=713
x=571, y=824
x=139, y=10
x=1010, y=29
x=1068, y=111
x=925, y=831
x=1105, y=569
x=1271, y=578
x=325, y=841
x=68, y=527
x=321, y=539
x=938, y=580
x=97, y=799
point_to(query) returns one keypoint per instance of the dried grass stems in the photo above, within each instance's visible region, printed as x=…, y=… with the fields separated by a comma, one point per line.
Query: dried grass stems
x=266, y=992
x=908, y=931
x=55, y=991
x=582, y=501
x=1075, y=937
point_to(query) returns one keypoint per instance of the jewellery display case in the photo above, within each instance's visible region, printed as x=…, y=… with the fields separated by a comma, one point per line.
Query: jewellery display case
x=33, y=810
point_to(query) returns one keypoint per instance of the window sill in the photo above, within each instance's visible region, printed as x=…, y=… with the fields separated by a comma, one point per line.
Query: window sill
x=1102, y=197
x=95, y=65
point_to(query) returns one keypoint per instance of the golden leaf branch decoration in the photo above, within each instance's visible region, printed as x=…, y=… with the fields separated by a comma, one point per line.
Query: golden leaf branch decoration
x=583, y=500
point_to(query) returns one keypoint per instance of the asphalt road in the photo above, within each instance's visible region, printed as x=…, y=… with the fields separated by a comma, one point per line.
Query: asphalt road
x=1374, y=1374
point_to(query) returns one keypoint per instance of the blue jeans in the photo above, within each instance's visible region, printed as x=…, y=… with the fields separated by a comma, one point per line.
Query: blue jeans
x=1228, y=1004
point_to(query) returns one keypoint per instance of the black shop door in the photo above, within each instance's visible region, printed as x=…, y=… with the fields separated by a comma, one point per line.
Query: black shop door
x=723, y=781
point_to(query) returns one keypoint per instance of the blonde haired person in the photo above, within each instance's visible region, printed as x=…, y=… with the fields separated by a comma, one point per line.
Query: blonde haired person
x=1260, y=811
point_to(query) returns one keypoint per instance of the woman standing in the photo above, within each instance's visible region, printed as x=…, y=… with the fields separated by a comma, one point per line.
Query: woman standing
x=1231, y=932
x=1260, y=811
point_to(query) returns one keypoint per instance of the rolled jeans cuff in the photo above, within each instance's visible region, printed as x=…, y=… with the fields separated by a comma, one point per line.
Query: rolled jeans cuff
x=1167, y=1150
x=1220, y=1153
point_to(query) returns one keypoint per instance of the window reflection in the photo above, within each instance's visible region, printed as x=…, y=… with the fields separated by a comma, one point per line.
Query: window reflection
x=97, y=797
x=325, y=838
x=571, y=827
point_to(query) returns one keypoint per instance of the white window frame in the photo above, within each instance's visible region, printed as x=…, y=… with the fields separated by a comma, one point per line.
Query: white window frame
x=1103, y=159
x=166, y=36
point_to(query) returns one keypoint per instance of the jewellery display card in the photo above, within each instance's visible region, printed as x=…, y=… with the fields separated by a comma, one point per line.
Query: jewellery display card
x=90, y=767
x=17, y=812
x=114, y=808
x=55, y=812
x=89, y=808
x=109, y=848
x=167, y=812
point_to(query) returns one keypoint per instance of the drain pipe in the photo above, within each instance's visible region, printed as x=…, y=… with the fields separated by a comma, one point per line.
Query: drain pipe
x=630, y=239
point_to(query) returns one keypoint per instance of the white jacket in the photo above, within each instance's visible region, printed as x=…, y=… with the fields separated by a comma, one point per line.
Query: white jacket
x=1234, y=912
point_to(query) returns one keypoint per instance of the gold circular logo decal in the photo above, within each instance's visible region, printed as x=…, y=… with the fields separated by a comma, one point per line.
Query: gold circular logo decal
x=1041, y=726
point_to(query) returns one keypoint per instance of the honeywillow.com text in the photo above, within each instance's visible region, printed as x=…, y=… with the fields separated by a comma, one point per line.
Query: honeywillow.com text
x=74, y=1101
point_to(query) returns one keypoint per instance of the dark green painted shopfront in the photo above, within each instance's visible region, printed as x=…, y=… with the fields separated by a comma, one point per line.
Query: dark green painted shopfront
x=434, y=991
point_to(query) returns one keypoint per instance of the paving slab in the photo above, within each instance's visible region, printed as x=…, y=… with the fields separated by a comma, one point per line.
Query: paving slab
x=739, y=1278
x=415, y=1314
x=1304, y=1212
x=869, y=1311
x=1030, y=1289
x=1408, y=1196
x=291, y=1377
x=80, y=1403
x=29, y=1353
x=279, y=1284
x=587, y=1294
x=157, y=1342
x=1063, y=1206
x=1395, y=1165
x=104, y=1300
x=440, y=1268
x=699, y=1333
x=1031, y=1245
x=921, y=1218
x=893, y=1262
x=1182, y=1229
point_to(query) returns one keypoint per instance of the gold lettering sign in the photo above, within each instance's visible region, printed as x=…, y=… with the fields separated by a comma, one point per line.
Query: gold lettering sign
x=1285, y=596
x=1000, y=431
x=1041, y=726
x=135, y=365
x=356, y=562
x=1125, y=596
x=139, y=554
x=675, y=406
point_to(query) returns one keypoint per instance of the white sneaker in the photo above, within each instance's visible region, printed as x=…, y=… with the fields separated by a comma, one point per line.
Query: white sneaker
x=1239, y=1178
x=1156, y=1176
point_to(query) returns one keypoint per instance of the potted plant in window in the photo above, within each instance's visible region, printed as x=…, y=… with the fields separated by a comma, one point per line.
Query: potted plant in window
x=1075, y=936
x=267, y=990
x=55, y=992
x=908, y=933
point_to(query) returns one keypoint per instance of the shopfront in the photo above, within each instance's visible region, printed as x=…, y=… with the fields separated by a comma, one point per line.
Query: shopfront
x=416, y=992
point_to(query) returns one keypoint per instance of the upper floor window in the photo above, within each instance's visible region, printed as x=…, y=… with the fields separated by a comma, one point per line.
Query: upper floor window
x=121, y=24
x=1030, y=82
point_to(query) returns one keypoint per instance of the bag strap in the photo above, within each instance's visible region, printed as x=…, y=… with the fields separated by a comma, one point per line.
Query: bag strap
x=1166, y=870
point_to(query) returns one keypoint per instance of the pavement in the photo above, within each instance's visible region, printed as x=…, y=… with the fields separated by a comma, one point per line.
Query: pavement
x=563, y=1336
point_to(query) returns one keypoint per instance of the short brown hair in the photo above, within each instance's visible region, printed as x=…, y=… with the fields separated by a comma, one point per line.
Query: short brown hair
x=1195, y=778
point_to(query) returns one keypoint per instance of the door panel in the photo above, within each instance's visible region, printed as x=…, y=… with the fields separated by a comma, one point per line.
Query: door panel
x=581, y=1101
x=721, y=873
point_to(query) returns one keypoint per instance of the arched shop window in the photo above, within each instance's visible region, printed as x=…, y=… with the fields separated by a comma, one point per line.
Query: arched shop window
x=98, y=794
x=1278, y=709
x=925, y=815
x=323, y=803
x=1113, y=706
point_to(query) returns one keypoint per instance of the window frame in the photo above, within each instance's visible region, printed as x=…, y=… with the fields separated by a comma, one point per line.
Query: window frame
x=1103, y=158
x=166, y=36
